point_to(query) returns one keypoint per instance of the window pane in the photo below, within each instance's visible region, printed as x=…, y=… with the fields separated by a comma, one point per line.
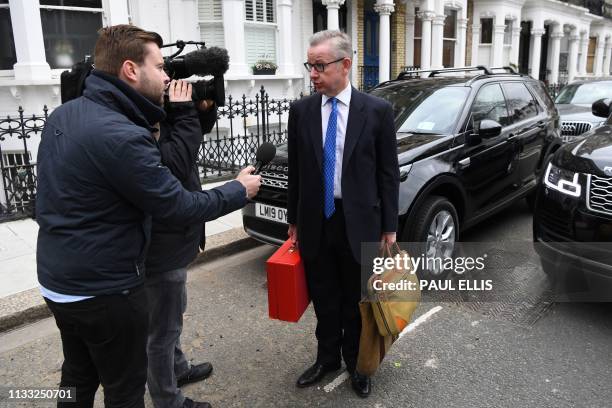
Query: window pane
x=448, y=53
x=270, y=11
x=7, y=44
x=72, y=3
x=69, y=35
x=520, y=102
x=213, y=9
x=248, y=6
x=259, y=10
x=417, y=53
x=450, y=23
x=490, y=104
x=486, y=31
x=508, y=32
x=418, y=24
x=260, y=43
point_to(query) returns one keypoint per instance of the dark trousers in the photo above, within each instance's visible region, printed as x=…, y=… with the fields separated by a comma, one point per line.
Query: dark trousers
x=104, y=342
x=167, y=296
x=333, y=280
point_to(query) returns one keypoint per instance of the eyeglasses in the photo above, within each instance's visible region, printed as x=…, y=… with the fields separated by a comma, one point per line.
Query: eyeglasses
x=319, y=67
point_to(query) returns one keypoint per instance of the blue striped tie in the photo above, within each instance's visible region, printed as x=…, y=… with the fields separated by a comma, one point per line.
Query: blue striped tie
x=329, y=161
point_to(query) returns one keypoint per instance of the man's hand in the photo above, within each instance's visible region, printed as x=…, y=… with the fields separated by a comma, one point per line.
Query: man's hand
x=293, y=234
x=387, y=238
x=179, y=91
x=205, y=105
x=249, y=181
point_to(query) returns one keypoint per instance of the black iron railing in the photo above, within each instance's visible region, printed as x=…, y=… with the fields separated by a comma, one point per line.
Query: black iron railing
x=242, y=125
x=368, y=77
x=19, y=135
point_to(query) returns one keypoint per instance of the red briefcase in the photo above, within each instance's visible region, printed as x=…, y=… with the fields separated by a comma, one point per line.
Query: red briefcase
x=287, y=291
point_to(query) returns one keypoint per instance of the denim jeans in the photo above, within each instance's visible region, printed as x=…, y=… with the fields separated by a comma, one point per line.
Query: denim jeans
x=167, y=296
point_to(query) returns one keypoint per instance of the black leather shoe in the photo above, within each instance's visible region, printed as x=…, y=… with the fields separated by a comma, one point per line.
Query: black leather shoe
x=314, y=374
x=196, y=373
x=188, y=403
x=362, y=385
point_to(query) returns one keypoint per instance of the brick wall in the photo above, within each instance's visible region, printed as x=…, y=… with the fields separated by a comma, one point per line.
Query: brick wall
x=398, y=39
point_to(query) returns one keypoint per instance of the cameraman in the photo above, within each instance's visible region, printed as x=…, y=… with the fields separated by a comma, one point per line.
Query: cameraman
x=100, y=180
x=172, y=249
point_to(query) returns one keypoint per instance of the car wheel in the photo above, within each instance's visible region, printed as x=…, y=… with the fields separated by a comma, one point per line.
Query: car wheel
x=435, y=228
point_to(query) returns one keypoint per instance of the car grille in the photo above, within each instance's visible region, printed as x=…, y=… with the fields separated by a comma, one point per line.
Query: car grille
x=569, y=130
x=600, y=194
x=275, y=176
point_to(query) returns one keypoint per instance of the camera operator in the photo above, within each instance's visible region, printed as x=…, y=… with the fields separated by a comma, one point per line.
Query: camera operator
x=100, y=181
x=172, y=249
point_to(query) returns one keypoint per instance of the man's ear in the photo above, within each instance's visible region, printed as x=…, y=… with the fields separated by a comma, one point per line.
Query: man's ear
x=347, y=63
x=129, y=71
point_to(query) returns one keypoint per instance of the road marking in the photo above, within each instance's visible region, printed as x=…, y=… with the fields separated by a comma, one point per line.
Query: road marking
x=337, y=381
x=418, y=321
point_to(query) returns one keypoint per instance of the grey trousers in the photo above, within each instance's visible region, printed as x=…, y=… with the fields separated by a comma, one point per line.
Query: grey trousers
x=167, y=297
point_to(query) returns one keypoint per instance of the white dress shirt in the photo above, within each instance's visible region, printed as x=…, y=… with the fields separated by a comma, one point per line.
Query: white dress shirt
x=344, y=101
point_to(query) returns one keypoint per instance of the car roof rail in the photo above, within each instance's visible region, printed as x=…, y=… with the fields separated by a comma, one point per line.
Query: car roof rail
x=508, y=69
x=434, y=72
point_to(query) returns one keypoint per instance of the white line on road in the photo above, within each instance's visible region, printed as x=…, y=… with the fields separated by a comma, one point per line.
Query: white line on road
x=418, y=321
x=339, y=380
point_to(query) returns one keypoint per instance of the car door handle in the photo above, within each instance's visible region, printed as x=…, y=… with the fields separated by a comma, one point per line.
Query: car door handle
x=464, y=164
x=541, y=124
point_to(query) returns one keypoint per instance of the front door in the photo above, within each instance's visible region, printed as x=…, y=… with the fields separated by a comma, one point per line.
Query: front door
x=370, y=56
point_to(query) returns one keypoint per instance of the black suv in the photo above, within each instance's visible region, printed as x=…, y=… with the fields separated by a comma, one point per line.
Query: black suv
x=572, y=224
x=467, y=148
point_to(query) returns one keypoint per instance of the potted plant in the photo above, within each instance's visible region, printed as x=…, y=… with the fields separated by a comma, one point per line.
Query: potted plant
x=264, y=67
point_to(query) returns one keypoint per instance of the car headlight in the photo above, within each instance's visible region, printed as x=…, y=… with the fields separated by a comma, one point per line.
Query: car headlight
x=599, y=124
x=564, y=181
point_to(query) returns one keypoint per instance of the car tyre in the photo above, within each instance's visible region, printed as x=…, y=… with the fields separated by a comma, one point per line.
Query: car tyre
x=434, y=231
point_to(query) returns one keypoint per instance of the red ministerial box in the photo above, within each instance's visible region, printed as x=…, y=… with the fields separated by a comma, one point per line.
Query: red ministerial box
x=287, y=291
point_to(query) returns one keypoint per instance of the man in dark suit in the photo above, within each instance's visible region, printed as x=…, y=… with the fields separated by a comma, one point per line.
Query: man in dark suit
x=343, y=191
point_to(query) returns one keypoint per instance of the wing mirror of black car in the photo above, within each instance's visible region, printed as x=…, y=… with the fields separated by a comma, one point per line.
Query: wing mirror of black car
x=489, y=128
x=601, y=107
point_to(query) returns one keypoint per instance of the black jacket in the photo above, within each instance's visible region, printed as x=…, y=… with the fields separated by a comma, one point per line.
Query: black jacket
x=370, y=172
x=175, y=246
x=100, y=179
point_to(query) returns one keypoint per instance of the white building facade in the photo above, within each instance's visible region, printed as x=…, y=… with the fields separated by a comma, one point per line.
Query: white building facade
x=555, y=41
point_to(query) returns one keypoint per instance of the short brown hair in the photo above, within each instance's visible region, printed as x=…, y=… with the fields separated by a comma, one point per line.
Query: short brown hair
x=122, y=42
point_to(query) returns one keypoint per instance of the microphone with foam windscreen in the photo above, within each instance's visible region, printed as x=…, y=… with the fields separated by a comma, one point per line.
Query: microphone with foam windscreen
x=204, y=61
x=265, y=154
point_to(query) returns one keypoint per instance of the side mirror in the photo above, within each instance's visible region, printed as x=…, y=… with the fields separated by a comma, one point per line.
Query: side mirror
x=489, y=128
x=601, y=107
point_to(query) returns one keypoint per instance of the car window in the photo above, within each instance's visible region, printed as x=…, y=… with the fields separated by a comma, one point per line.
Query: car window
x=521, y=105
x=584, y=94
x=490, y=104
x=420, y=109
x=539, y=89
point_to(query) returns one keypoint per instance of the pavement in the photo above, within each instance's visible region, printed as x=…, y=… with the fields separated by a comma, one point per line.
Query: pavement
x=20, y=299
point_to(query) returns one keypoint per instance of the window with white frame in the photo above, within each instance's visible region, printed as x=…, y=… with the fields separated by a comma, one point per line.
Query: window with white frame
x=7, y=43
x=450, y=38
x=486, y=30
x=508, y=32
x=70, y=29
x=260, y=30
x=210, y=19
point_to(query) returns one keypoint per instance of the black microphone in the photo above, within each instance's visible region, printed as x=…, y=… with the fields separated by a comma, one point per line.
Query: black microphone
x=202, y=62
x=265, y=154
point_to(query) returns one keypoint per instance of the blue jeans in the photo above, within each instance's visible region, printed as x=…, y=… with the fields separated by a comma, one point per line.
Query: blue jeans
x=167, y=297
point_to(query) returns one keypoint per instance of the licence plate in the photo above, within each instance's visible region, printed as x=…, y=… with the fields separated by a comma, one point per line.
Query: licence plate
x=271, y=213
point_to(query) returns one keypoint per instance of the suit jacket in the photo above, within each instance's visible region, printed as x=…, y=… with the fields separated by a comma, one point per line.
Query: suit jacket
x=370, y=172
